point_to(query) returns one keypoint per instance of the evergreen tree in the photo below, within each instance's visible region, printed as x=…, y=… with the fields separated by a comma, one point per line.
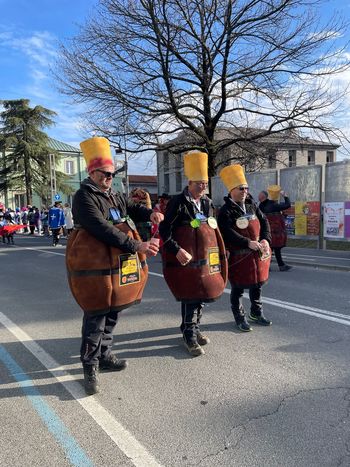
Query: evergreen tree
x=24, y=147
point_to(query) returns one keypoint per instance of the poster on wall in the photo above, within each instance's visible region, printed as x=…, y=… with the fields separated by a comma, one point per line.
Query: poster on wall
x=313, y=218
x=300, y=218
x=307, y=218
x=333, y=215
x=289, y=220
x=347, y=219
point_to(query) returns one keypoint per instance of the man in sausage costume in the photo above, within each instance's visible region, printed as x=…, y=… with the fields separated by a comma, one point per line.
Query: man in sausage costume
x=194, y=261
x=105, y=258
x=246, y=234
x=272, y=208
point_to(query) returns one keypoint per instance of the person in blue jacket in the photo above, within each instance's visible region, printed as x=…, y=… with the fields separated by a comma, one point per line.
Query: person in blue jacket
x=56, y=221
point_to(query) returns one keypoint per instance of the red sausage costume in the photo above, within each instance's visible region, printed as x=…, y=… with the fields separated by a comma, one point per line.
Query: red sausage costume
x=246, y=235
x=272, y=209
x=189, y=225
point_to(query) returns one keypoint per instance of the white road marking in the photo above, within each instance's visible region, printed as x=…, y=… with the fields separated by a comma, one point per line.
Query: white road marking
x=300, y=258
x=306, y=310
x=125, y=441
x=299, y=255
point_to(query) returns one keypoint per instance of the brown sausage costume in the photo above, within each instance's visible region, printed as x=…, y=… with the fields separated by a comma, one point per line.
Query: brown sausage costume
x=243, y=227
x=106, y=273
x=189, y=225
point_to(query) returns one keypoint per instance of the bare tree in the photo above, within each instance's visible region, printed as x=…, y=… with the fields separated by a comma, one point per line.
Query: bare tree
x=150, y=69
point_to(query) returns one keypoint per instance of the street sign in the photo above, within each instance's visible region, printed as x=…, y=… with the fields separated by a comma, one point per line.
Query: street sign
x=57, y=197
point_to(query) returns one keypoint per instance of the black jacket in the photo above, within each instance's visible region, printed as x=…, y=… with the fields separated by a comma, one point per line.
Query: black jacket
x=181, y=211
x=228, y=215
x=91, y=212
x=268, y=206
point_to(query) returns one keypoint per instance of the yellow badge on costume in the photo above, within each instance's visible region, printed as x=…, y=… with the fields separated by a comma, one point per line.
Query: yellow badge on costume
x=129, y=269
x=214, y=260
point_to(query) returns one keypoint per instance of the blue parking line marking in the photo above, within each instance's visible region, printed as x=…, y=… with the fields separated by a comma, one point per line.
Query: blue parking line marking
x=76, y=455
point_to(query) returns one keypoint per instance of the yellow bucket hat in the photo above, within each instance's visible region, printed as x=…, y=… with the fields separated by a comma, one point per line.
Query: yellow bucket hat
x=196, y=165
x=274, y=192
x=97, y=153
x=232, y=176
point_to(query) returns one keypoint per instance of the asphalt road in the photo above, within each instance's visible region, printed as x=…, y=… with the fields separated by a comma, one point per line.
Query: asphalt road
x=278, y=396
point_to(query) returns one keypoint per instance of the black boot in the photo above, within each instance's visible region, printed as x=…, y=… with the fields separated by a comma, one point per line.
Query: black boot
x=202, y=339
x=91, y=382
x=241, y=320
x=112, y=363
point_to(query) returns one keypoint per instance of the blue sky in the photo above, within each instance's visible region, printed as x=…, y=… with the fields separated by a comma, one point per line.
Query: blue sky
x=29, y=35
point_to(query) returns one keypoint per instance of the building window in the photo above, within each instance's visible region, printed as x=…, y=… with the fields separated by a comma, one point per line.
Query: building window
x=330, y=156
x=311, y=158
x=292, y=158
x=178, y=162
x=166, y=161
x=69, y=167
x=271, y=161
x=166, y=183
x=178, y=181
x=20, y=200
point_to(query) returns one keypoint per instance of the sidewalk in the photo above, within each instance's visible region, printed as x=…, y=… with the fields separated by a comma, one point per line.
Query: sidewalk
x=323, y=259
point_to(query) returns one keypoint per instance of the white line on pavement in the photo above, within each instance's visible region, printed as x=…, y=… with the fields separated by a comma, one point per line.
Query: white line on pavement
x=304, y=258
x=306, y=310
x=317, y=312
x=125, y=441
x=314, y=256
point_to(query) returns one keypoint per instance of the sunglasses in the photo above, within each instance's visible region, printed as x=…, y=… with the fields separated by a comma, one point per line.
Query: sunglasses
x=106, y=174
x=243, y=188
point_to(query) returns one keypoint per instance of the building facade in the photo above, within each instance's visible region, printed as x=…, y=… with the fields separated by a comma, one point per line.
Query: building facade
x=146, y=182
x=287, y=149
x=70, y=162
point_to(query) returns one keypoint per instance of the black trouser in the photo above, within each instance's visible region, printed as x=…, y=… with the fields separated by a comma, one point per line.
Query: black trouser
x=236, y=302
x=191, y=314
x=10, y=238
x=278, y=255
x=97, y=337
x=56, y=236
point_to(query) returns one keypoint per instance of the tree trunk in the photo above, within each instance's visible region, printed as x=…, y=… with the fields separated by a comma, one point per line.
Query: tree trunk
x=28, y=179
